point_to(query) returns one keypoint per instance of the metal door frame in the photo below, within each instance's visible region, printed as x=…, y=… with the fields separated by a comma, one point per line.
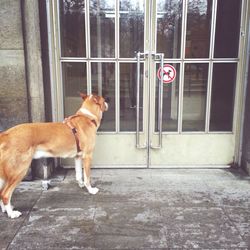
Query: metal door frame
x=150, y=33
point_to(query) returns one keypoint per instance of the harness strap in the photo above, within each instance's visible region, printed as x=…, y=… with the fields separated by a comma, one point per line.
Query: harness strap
x=74, y=130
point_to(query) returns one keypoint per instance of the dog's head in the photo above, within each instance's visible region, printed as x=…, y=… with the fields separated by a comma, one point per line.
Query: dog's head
x=96, y=100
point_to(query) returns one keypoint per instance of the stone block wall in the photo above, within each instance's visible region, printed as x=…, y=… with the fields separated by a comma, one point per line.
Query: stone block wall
x=13, y=88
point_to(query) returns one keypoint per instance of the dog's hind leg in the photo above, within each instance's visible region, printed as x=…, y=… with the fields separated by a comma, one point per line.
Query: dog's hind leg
x=7, y=194
x=11, y=182
x=2, y=183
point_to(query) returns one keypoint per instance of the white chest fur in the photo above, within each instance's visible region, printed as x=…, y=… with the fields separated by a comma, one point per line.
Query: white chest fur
x=41, y=154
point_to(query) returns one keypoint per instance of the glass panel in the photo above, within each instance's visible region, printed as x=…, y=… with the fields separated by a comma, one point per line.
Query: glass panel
x=72, y=23
x=128, y=92
x=103, y=83
x=195, y=96
x=74, y=81
x=223, y=90
x=169, y=23
x=170, y=103
x=227, y=29
x=198, y=28
x=131, y=27
x=102, y=28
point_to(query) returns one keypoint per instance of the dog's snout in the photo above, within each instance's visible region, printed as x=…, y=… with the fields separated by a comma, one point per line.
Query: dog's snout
x=106, y=106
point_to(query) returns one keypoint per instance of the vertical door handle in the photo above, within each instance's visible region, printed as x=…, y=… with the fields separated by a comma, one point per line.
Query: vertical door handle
x=138, y=80
x=160, y=103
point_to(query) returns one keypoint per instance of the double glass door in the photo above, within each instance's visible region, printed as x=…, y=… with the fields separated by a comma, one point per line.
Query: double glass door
x=115, y=48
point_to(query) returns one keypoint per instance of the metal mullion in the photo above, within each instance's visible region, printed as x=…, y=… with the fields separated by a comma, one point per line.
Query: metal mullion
x=209, y=96
x=102, y=60
x=71, y=59
x=60, y=103
x=117, y=78
x=117, y=65
x=183, y=27
x=59, y=29
x=87, y=28
x=117, y=94
x=181, y=93
x=117, y=29
x=182, y=65
x=87, y=35
x=213, y=29
x=196, y=61
x=225, y=60
x=74, y=59
x=89, y=77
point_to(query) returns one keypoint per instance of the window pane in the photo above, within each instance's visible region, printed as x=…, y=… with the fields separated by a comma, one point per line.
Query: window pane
x=169, y=21
x=198, y=28
x=102, y=28
x=223, y=90
x=128, y=94
x=170, y=103
x=227, y=29
x=72, y=23
x=131, y=27
x=74, y=81
x=103, y=83
x=195, y=96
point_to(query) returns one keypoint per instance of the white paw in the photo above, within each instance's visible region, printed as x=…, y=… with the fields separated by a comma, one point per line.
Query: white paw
x=14, y=214
x=2, y=207
x=93, y=190
x=81, y=184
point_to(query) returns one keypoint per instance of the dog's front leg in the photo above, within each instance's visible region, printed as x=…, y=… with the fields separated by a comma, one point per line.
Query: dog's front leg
x=78, y=168
x=87, y=165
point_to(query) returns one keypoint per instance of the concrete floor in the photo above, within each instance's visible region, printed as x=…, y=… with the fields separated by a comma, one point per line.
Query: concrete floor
x=134, y=209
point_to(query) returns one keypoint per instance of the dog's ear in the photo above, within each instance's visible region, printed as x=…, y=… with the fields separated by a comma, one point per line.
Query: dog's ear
x=84, y=96
x=97, y=99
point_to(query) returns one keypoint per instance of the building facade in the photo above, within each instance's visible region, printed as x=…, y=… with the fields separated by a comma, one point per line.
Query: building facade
x=174, y=71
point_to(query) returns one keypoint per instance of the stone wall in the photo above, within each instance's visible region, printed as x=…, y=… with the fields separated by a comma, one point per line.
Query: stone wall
x=13, y=89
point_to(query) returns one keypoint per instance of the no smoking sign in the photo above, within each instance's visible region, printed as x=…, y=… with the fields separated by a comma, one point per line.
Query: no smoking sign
x=169, y=73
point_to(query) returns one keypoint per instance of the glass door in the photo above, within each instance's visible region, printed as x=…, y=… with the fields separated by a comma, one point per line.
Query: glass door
x=201, y=40
x=97, y=41
x=115, y=48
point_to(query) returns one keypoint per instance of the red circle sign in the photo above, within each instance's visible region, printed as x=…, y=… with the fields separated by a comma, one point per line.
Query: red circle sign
x=169, y=73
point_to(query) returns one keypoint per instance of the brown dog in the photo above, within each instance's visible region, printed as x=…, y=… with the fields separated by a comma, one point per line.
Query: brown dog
x=75, y=137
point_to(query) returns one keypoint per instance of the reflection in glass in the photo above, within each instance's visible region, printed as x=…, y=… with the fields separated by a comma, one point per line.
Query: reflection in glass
x=131, y=27
x=198, y=28
x=223, y=91
x=170, y=103
x=227, y=29
x=103, y=83
x=72, y=24
x=74, y=81
x=195, y=96
x=169, y=20
x=128, y=94
x=102, y=28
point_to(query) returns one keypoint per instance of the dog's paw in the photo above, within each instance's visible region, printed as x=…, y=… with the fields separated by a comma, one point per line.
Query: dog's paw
x=93, y=190
x=14, y=214
x=81, y=184
x=2, y=207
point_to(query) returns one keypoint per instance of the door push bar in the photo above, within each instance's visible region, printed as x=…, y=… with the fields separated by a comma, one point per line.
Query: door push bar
x=138, y=58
